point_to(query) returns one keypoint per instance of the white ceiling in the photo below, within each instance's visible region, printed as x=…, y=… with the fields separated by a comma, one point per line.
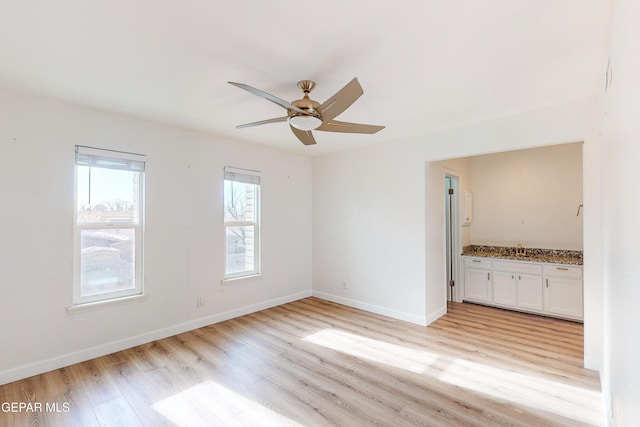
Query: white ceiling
x=423, y=64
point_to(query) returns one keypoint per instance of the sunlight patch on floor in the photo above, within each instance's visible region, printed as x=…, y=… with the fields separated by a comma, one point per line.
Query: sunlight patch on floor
x=374, y=350
x=543, y=394
x=569, y=401
x=211, y=404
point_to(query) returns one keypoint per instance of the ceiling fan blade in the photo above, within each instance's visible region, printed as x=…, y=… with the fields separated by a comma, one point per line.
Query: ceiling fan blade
x=341, y=100
x=346, y=127
x=263, y=122
x=306, y=137
x=269, y=97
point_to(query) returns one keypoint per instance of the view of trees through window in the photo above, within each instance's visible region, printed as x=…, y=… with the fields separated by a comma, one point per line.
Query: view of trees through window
x=241, y=209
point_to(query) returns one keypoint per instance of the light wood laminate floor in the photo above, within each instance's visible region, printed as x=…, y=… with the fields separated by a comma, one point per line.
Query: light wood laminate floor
x=316, y=363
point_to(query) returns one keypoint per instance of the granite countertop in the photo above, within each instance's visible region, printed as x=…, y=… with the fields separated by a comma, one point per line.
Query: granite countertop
x=555, y=256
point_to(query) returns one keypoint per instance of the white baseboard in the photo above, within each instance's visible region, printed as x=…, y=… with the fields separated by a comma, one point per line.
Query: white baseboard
x=384, y=311
x=47, y=365
x=436, y=315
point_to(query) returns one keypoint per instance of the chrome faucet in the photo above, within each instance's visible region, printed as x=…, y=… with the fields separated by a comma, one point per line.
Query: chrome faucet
x=520, y=250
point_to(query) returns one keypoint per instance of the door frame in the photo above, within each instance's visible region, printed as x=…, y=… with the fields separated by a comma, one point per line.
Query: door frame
x=458, y=291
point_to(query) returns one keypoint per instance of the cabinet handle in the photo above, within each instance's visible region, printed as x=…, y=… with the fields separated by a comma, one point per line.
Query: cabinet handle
x=512, y=276
x=475, y=260
x=519, y=277
x=562, y=268
x=488, y=276
x=547, y=282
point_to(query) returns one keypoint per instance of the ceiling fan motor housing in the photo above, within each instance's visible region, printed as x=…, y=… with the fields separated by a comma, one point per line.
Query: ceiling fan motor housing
x=307, y=104
x=312, y=119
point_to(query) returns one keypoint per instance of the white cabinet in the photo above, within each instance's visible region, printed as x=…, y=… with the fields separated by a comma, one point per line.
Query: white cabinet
x=530, y=292
x=563, y=295
x=526, y=284
x=551, y=289
x=504, y=288
x=477, y=280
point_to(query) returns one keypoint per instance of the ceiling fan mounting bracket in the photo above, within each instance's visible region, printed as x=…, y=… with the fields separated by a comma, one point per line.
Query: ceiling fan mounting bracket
x=306, y=85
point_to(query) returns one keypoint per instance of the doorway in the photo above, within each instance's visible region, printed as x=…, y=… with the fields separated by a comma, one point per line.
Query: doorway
x=452, y=227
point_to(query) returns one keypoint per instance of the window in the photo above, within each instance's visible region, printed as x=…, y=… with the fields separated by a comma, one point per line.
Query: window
x=108, y=228
x=241, y=222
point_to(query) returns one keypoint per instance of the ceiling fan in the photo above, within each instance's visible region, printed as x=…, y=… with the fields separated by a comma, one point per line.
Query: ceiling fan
x=305, y=115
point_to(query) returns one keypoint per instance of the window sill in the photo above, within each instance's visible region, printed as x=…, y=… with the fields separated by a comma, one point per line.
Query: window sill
x=232, y=280
x=90, y=306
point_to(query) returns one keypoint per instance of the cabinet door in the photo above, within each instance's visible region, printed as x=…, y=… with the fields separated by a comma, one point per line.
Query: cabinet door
x=530, y=292
x=477, y=285
x=563, y=297
x=504, y=288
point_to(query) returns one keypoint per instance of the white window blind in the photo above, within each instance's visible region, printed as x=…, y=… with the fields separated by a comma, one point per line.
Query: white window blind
x=242, y=175
x=110, y=159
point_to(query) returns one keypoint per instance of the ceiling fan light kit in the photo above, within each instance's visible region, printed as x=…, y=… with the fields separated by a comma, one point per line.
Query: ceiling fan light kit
x=305, y=115
x=306, y=123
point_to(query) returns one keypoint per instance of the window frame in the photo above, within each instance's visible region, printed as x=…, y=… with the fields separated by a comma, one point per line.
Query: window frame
x=245, y=176
x=100, y=158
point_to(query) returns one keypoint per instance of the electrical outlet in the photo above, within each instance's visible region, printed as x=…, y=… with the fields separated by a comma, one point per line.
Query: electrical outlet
x=200, y=302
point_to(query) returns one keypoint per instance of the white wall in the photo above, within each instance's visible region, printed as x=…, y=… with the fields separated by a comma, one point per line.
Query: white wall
x=184, y=234
x=367, y=206
x=377, y=212
x=621, y=203
x=528, y=197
